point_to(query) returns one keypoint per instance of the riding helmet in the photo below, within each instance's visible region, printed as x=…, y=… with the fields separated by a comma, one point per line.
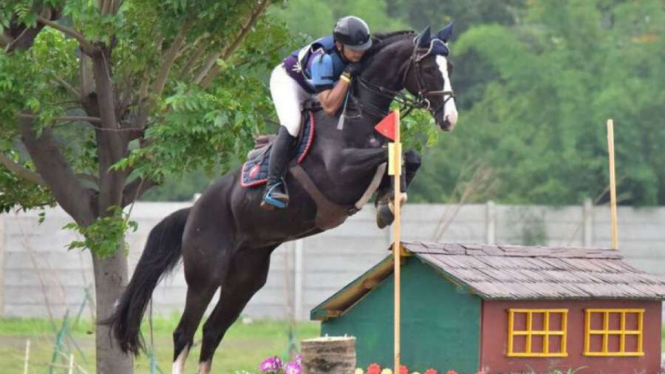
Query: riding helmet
x=353, y=33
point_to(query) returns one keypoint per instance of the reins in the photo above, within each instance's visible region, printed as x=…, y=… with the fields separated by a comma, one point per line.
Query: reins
x=407, y=102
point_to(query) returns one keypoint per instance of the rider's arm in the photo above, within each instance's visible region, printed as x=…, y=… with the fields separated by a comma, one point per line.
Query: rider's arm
x=330, y=94
x=331, y=100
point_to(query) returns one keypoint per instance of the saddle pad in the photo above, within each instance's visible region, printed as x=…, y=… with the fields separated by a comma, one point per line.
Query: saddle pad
x=255, y=170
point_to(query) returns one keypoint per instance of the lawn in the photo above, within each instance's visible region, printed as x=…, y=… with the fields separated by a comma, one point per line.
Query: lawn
x=243, y=347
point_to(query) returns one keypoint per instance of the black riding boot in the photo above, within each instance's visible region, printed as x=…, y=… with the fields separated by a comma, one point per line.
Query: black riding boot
x=276, y=194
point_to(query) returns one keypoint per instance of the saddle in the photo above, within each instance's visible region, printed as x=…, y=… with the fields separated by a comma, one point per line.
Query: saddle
x=255, y=170
x=328, y=214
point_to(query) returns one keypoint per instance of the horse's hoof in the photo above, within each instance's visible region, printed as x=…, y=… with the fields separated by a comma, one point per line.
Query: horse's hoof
x=403, y=197
x=384, y=216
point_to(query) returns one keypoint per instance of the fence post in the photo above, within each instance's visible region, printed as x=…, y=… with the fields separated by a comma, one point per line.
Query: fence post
x=587, y=217
x=298, y=280
x=490, y=223
x=3, y=243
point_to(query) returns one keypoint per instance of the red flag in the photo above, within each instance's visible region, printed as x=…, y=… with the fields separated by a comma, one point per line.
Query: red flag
x=387, y=126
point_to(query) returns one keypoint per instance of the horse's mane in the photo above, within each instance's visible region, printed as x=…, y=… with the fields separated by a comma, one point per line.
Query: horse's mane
x=382, y=40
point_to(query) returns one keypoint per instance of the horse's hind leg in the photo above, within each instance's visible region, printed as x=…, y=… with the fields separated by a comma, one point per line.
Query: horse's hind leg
x=247, y=274
x=198, y=299
x=205, y=262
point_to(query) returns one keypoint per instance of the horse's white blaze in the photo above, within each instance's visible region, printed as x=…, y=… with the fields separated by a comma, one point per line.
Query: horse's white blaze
x=450, y=110
x=179, y=363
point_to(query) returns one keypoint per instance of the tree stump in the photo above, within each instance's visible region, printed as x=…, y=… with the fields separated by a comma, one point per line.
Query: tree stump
x=329, y=355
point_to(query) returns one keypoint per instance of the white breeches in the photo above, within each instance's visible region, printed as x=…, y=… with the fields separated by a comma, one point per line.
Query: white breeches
x=288, y=97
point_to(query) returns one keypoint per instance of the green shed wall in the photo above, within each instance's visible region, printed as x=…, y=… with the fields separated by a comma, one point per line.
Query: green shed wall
x=440, y=324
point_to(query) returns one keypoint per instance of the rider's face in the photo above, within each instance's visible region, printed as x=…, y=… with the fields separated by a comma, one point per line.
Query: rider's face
x=353, y=56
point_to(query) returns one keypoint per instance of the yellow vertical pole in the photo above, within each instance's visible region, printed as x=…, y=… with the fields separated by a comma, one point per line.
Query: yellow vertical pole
x=613, y=187
x=397, y=250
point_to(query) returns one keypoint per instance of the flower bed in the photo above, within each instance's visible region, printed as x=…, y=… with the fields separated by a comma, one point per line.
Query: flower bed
x=275, y=365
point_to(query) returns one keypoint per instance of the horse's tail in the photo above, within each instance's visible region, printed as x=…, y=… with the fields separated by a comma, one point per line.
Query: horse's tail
x=161, y=254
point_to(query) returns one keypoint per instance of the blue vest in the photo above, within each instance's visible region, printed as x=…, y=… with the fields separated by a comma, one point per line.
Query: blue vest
x=317, y=66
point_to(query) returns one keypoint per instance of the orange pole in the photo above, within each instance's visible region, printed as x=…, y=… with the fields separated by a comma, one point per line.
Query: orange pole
x=613, y=186
x=397, y=250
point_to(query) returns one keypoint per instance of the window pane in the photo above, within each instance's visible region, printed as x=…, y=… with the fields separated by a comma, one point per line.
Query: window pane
x=614, y=343
x=537, y=344
x=519, y=344
x=519, y=323
x=555, y=344
x=631, y=321
x=631, y=343
x=537, y=322
x=615, y=321
x=556, y=321
x=596, y=321
x=596, y=343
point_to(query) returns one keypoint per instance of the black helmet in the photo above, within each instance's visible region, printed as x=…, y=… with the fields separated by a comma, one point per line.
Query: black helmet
x=353, y=33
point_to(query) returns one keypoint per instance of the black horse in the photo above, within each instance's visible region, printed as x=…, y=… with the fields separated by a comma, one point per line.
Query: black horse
x=226, y=239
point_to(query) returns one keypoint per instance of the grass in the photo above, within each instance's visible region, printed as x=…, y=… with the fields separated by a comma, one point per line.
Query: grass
x=242, y=349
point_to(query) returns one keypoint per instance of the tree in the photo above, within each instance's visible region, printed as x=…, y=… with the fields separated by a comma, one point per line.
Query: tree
x=537, y=122
x=102, y=100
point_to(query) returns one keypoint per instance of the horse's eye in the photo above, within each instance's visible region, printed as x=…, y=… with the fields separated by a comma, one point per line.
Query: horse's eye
x=451, y=69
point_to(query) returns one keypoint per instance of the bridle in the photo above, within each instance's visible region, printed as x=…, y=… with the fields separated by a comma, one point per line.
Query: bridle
x=408, y=103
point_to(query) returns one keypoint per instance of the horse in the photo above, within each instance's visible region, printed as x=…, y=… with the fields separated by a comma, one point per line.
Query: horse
x=225, y=239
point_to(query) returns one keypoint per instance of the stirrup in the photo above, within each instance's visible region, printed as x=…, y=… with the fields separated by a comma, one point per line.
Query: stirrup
x=269, y=202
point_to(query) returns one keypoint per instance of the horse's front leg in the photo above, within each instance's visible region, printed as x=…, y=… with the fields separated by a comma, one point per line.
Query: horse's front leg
x=385, y=195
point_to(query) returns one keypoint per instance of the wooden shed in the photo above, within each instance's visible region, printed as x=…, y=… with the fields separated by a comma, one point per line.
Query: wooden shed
x=504, y=309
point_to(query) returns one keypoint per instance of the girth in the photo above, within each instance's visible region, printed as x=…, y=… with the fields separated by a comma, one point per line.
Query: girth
x=328, y=214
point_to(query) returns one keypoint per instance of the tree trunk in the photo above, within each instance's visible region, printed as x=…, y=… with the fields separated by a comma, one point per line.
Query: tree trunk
x=110, y=281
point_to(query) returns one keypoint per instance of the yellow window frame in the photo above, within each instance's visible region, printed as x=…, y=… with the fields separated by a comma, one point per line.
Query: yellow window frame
x=606, y=333
x=545, y=332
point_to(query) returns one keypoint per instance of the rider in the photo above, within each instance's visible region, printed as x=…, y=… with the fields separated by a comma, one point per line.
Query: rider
x=321, y=71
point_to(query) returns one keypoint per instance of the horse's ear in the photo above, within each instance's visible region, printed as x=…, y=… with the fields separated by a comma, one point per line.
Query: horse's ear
x=446, y=33
x=424, y=38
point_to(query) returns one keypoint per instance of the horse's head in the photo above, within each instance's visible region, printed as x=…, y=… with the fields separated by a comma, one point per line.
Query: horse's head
x=428, y=74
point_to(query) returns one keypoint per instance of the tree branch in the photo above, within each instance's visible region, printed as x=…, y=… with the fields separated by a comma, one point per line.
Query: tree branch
x=21, y=171
x=135, y=189
x=118, y=4
x=194, y=57
x=214, y=71
x=169, y=59
x=68, y=87
x=111, y=145
x=65, y=118
x=210, y=63
x=86, y=45
x=5, y=40
x=56, y=172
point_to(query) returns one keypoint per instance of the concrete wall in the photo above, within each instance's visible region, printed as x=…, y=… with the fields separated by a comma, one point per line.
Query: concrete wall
x=40, y=277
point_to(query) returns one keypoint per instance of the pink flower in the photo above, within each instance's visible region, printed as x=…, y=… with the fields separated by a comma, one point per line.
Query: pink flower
x=451, y=372
x=292, y=368
x=431, y=371
x=403, y=369
x=271, y=365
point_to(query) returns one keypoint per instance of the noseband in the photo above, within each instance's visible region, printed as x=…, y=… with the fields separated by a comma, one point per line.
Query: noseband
x=408, y=103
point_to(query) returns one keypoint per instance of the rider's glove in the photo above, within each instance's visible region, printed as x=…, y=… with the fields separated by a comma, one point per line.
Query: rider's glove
x=352, y=69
